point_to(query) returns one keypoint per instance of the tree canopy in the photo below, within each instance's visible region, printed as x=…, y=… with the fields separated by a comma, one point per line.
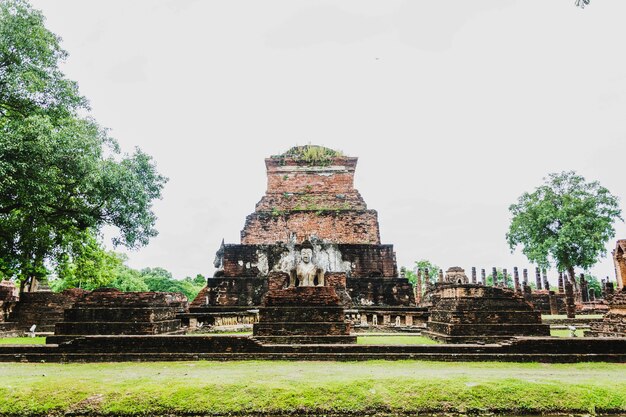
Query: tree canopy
x=89, y=266
x=423, y=264
x=62, y=177
x=566, y=222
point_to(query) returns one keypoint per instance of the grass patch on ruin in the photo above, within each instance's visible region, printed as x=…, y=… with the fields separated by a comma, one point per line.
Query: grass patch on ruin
x=279, y=387
x=22, y=340
x=394, y=340
x=566, y=333
x=564, y=316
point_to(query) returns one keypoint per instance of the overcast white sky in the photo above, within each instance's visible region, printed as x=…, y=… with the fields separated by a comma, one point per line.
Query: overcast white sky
x=454, y=108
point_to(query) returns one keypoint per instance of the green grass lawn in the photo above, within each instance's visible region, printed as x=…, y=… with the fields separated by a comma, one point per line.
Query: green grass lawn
x=578, y=316
x=278, y=387
x=22, y=340
x=565, y=332
x=394, y=340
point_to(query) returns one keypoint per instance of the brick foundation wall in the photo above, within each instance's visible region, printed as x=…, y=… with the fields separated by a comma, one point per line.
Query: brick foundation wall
x=289, y=176
x=43, y=308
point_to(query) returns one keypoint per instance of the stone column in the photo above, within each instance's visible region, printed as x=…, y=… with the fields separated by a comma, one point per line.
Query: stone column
x=553, y=306
x=570, y=306
x=494, y=276
x=483, y=277
x=546, y=284
x=525, y=276
x=518, y=288
x=418, y=287
x=538, y=278
x=441, y=276
x=561, y=287
x=427, y=277
x=473, y=275
x=610, y=288
x=592, y=295
x=505, y=277
x=584, y=289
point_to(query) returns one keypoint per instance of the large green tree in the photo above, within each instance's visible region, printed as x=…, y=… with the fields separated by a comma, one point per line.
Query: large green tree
x=566, y=222
x=61, y=175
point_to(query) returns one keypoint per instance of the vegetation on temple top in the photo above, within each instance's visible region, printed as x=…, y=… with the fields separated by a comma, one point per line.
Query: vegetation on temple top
x=62, y=178
x=566, y=222
x=310, y=154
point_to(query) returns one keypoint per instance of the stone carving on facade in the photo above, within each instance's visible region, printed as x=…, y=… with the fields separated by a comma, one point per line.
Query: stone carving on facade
x=218, y=262
x=306, y=273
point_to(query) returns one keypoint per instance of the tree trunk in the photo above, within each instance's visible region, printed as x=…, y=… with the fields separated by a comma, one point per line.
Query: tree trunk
x=33, y=284
x=572, y=276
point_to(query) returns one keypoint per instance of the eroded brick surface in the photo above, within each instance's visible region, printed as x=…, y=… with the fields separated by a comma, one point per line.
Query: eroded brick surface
x=470, y=312
x=614, y=322
x=108, y=311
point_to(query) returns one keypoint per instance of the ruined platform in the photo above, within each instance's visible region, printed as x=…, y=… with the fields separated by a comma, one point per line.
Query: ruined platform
x=614, y=322
x=466, y=313
x=303, y=315
x=108, y=311
x=42, y=308
x=190, y=348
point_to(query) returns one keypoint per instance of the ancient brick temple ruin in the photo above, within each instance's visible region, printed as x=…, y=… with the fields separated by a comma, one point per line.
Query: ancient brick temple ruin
x=310, y=198
x=613, y=323
x=108, y=311
x=463, y=312
x=42, y=308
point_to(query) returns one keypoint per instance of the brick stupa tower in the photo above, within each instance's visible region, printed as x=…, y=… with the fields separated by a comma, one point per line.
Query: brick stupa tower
x=310, y=199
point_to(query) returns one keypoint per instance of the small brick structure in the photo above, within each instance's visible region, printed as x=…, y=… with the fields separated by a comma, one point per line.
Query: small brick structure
x=614, y=322
x=8, y=298
x=42, y=308
x=313, y=202
x=470, y=313
x=108, y=311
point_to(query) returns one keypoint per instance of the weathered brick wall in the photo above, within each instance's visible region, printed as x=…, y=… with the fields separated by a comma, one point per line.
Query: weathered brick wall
x=380, y=291
x=471, y=312
x=355, y=227
x=240, y=291
x=43, y=308
x=370, y=260
x=289, y=176
x=8, y=291
x=243, y=260
x=541, y=301
x=311, y=201
x=108, y=311
x=614, y=322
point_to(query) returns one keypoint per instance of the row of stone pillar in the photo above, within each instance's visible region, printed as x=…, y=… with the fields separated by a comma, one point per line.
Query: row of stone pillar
x=522, y=287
